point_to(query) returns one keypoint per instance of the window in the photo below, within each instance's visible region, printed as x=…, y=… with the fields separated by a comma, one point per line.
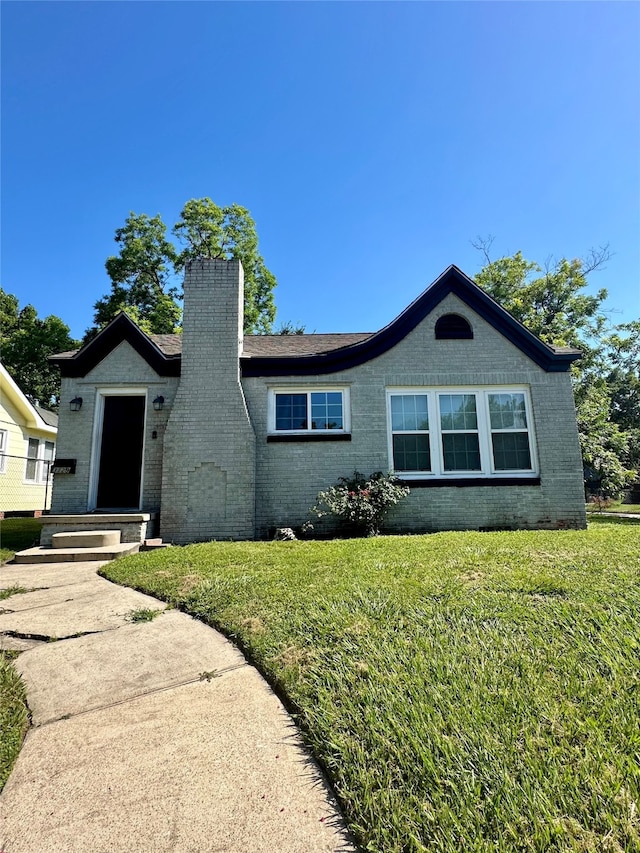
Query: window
x=39, y=459
x=410, y=425
x=49, y=448
x=4, y=442
x=306, y=411
x=453, y=327
x=466, y=432
x=509, y=433
x=459, y=430
x=31, y=470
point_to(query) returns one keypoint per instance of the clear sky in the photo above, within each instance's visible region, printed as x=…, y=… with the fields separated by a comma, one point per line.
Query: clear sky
x=370, y=141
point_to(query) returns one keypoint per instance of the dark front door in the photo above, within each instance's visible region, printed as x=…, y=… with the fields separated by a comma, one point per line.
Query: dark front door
x=121, y=453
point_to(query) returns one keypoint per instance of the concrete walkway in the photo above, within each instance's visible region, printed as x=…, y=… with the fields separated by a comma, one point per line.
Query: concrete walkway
x=153, y=736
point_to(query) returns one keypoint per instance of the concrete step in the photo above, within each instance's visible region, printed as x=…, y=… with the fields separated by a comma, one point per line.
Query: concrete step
x=85, y=539
x=76, y=555
x=153, y=545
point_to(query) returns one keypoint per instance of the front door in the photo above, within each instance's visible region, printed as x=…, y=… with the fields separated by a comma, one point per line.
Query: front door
x=120, y=472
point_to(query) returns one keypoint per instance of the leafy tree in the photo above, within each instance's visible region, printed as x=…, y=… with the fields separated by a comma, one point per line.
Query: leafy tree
x=622, y=376
x=604, y=446
x=26, y=342
x=210, y=231
x=551, y=302
x=145, y=275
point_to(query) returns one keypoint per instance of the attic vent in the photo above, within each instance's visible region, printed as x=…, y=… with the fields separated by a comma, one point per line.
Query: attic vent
x=453, y=327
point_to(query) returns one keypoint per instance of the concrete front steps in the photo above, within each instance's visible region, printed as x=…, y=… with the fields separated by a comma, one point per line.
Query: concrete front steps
x=82, y=546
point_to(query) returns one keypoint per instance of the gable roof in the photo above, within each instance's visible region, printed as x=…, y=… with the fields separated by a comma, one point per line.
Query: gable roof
x=35, y=417
x=121, y=328
x=307, y=355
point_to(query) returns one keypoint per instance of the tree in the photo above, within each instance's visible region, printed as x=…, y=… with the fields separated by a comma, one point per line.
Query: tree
x=141, y=277
x=551, y=301
x=210, y=231
x=552, y=305
x=26, y=342
x=145, y=275
x=622, y=376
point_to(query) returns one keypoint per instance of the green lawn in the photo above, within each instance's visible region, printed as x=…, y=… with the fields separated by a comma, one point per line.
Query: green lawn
x=463, y=691
x=17, y=534
x=614, y=506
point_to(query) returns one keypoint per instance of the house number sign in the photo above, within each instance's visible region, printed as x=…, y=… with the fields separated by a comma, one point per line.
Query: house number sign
x=64, y=466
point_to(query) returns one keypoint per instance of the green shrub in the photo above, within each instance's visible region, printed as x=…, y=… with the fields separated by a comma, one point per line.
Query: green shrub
x=360, y=503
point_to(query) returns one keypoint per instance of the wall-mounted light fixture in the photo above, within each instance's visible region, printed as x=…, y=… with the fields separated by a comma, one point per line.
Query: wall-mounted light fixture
x=76, y=404
x=158, y=403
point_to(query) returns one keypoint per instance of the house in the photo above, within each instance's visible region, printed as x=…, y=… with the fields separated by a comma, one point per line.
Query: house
x=27, y=446
x=225, y=436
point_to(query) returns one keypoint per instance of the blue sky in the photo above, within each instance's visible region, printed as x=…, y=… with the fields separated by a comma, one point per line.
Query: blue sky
x=372, y=142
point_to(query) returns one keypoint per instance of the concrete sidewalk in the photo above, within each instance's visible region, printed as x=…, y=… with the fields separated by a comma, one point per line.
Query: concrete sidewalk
x=154, y=736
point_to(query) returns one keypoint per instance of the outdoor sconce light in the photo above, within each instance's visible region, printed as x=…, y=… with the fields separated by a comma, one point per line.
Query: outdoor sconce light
x=158, y=403
x=76, y=404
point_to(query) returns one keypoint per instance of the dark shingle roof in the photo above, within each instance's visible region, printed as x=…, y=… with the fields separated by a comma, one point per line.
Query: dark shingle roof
x=307, y=355
x=50, y=418
x=264, y=346
x=273, y=346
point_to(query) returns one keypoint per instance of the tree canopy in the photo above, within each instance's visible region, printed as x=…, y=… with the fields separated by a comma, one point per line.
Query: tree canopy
x=552, y=301
x=145, y=275
x=26, y=342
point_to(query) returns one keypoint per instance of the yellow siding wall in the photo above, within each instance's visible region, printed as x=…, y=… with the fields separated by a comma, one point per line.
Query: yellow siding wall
x=16, y=492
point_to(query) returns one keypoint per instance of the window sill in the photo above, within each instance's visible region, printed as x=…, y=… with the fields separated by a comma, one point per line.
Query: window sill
x=469, y=482
x=302, y=436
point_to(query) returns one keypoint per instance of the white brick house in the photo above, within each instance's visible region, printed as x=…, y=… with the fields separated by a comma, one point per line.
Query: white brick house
x=469, y=408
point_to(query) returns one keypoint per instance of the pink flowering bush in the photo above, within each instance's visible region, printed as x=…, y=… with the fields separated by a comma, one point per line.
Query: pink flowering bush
x=361, y=503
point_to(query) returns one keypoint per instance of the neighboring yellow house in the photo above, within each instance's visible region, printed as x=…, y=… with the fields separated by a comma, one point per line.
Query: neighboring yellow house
x=27, y=448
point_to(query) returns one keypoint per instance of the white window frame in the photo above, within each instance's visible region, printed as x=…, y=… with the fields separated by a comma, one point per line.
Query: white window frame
x=309, y=390
x=40, y=467
x=35, y=459
x=4, y=450
x=484, y=430
x=45, y=472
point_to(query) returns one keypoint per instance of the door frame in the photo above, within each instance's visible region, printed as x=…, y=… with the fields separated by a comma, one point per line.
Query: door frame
x=96, y=444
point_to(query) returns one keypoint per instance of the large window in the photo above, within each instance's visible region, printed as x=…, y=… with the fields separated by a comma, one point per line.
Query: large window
x=307, y=411
x=466, y=432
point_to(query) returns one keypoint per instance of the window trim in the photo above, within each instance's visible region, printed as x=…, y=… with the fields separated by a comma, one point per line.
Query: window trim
x=35, y=480
x=308, y=432
x=487, y=463
x=44, y=477
x=4, y=450
x=40, y=461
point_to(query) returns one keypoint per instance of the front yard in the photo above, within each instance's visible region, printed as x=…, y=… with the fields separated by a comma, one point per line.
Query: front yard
x=16, y=534
x=463, y=691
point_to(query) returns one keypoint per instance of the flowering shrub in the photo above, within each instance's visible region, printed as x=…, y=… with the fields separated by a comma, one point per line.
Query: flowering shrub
x=361, y=503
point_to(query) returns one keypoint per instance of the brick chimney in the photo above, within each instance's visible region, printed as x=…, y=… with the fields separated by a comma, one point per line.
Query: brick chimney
x=208, y=479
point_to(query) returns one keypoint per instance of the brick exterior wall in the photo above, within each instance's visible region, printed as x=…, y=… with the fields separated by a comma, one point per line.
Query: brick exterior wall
x=213, y=475
x=208, y=484
x=290, y=474
x=78, y=432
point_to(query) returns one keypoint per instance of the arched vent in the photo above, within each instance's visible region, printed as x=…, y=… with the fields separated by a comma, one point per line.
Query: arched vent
x=453, y=327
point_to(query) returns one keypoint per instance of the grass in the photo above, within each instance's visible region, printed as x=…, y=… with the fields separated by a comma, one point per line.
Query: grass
x=613, y=506
x=13, y=590
x=143, y=614
x=17, y=534
x=14, y=716
x=463, y=691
